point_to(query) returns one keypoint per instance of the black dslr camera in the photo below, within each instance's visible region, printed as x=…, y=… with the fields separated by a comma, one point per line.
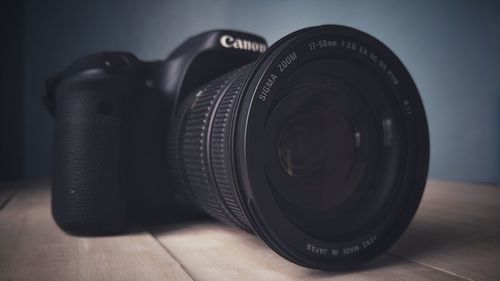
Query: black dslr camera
x=319, y=144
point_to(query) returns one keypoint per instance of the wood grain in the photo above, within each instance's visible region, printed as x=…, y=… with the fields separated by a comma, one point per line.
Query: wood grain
x=212, y=251
x=457, y=229
x=454, y=236
x=32, y=247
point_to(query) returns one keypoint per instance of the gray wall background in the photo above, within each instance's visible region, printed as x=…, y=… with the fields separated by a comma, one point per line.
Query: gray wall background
x=452, y=49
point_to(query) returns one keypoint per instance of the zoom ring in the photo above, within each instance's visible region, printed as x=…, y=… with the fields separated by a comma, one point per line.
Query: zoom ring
x=221, y=149
x=199, y=182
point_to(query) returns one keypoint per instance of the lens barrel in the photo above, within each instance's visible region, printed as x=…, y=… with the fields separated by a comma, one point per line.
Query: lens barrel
x=200, y=149
x=320, y=147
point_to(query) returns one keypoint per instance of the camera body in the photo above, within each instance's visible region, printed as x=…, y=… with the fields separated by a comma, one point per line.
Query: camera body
x=318, y=144
x=111, y=118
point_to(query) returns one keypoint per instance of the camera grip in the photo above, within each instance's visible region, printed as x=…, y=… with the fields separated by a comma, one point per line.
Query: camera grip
x=89, y=174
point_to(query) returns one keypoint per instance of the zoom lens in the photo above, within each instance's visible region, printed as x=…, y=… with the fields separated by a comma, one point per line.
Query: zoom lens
x=320, y=147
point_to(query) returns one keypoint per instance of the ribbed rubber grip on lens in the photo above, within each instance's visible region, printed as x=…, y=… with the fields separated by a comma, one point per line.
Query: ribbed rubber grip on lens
x=198, y=149
x=220, y=144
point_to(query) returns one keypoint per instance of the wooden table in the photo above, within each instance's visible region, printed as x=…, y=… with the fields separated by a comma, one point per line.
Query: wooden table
x=455, y=236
